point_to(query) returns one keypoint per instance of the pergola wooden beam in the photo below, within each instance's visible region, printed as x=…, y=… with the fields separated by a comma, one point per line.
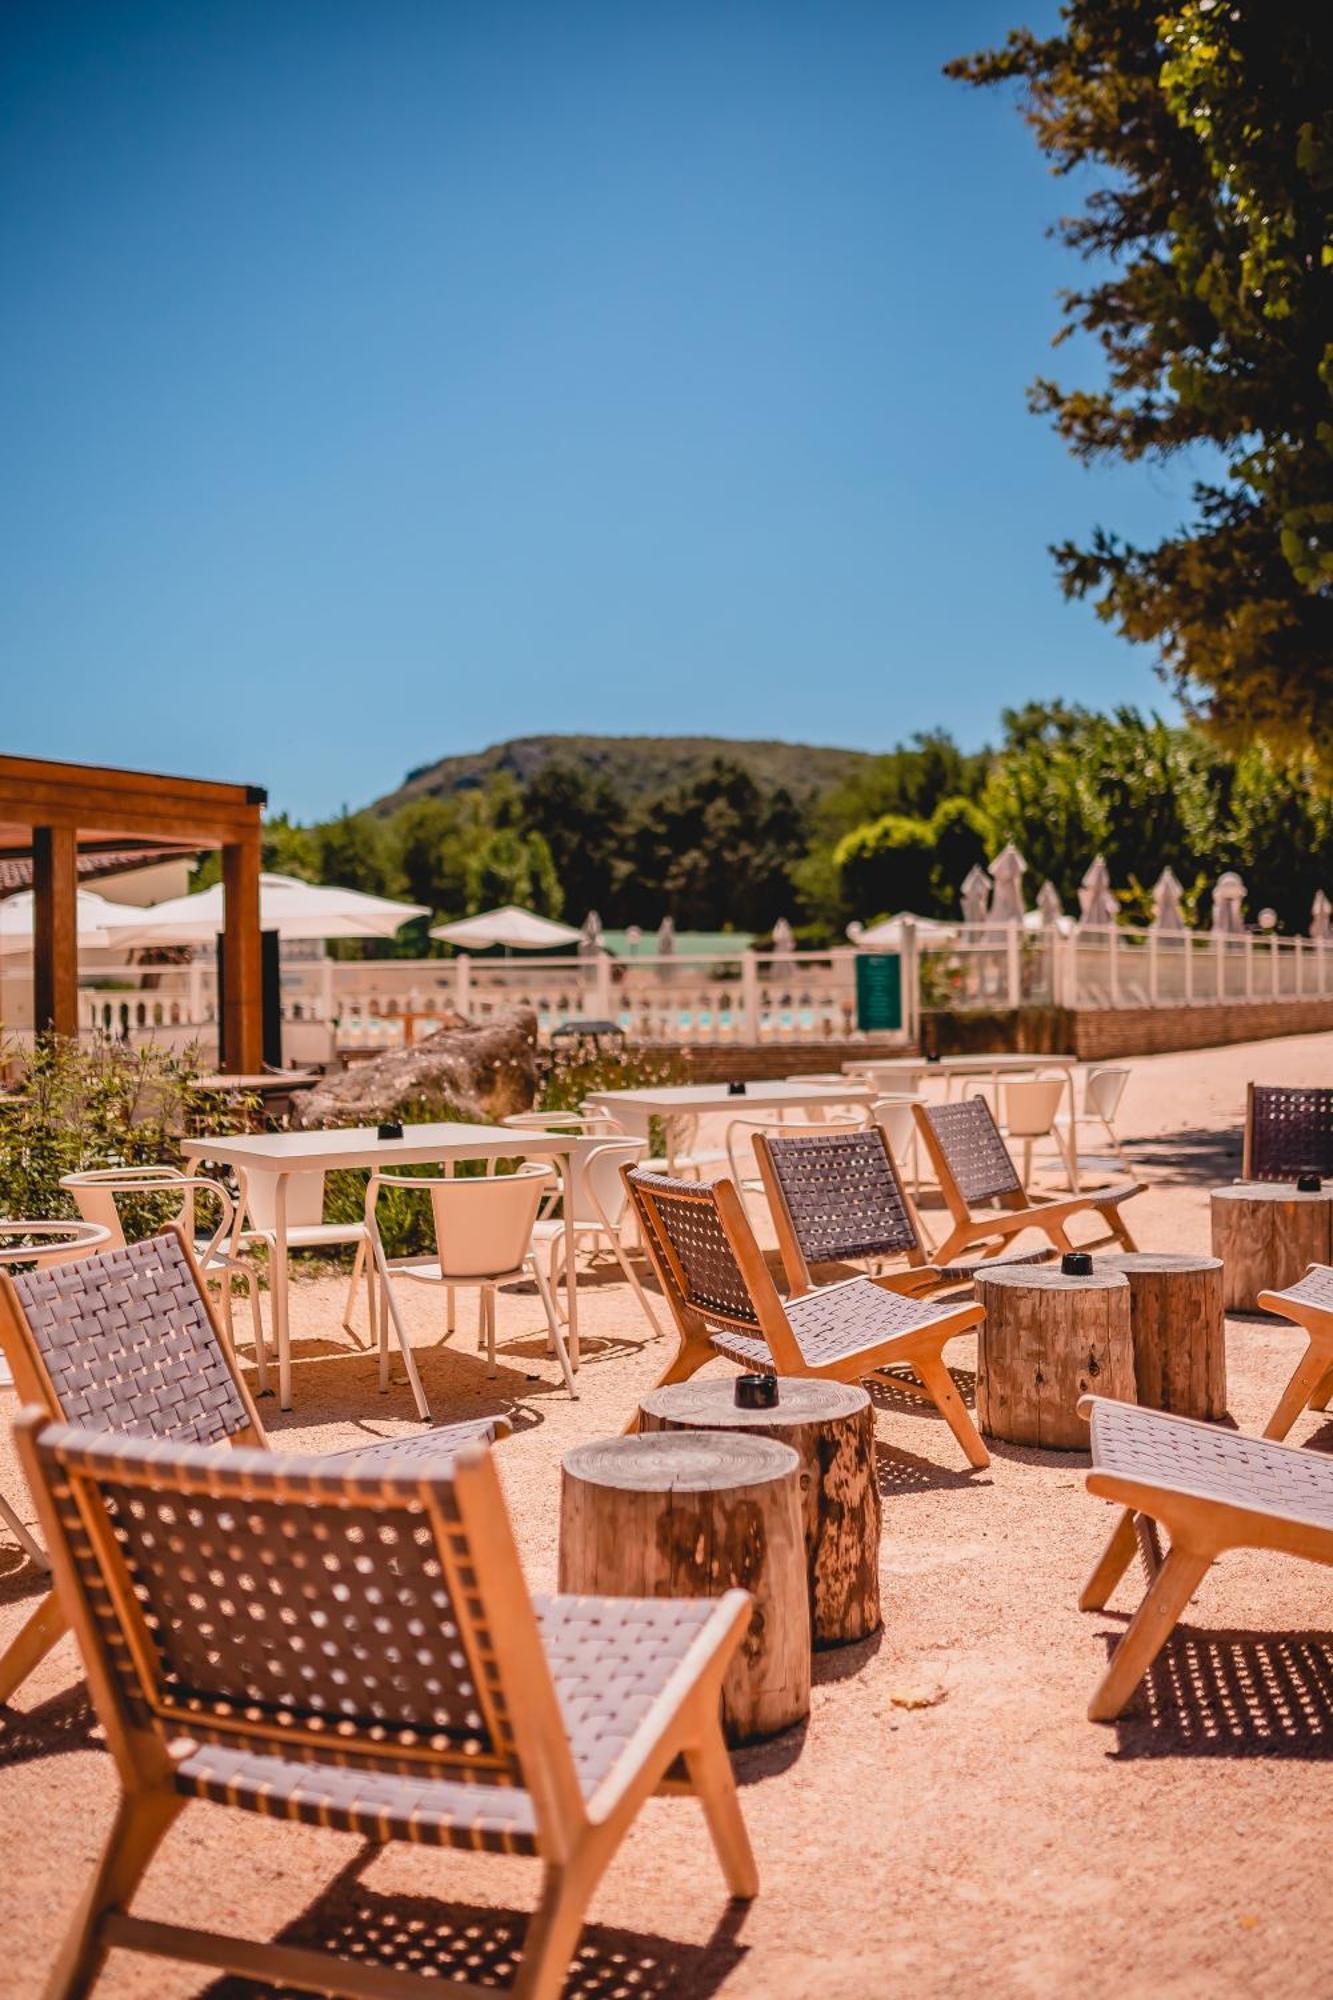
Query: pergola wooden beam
x=54, y=801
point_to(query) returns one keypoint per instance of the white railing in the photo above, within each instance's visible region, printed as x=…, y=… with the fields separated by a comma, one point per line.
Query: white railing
x=1004, y=967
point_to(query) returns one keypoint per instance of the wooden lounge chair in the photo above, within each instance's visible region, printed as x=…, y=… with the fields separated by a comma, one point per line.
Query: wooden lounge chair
x=1288, y=1131
x=424, y=1696
x=975, y=1171
x=128, y=1340
x=1212, y=1490
x=724, y=1301
x=1309, y=1304
x=837, y=1197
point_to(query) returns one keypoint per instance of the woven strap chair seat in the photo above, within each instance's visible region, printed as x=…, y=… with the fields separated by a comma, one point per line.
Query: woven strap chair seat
x=1291, y=1131
x=1314, y=1289
x=1200, y=1461
x=610, y=1658
x=838, y=1322
x=967, y=1267
x=434, y=1447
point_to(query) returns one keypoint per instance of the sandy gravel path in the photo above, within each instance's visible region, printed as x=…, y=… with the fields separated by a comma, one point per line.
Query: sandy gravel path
x=991, y=1840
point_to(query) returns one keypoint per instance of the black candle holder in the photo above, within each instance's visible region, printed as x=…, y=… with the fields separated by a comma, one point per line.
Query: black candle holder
x=1308, y=1183
x=736, y=1089
x=756, y=1392
x=390, y=1129
x=1076, y=1264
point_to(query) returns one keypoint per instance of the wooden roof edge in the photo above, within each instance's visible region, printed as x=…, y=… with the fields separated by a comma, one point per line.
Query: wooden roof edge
x=207, y=792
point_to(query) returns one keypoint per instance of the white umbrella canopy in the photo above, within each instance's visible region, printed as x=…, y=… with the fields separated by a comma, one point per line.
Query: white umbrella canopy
x=292, y=908
x=515, y=929
x=100, y=923
x=889, y=935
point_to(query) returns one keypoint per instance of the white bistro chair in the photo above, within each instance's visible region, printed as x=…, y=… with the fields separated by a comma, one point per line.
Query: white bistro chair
x=483, y=1239
x=599, y=1200
x=1103, y=1089
x=306, y=1228
x=1031, y=1111
x=96, y=1192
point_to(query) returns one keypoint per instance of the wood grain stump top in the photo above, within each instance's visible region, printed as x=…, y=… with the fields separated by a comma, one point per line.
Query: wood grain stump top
x=692, y=1514
x=1267, y=1234
x=1046, y=1340
x=831, y=1427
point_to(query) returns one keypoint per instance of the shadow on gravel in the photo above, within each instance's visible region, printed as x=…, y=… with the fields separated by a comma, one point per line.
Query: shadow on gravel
x=66, y=1722
x=1198, y=1156
x=1234, y=1694
x=473, y=1942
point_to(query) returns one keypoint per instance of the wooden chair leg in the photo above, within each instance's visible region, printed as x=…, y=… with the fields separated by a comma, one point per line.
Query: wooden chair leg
x=1307, y=1379
x=689, y=1358
x=1111, y=1564
x=714, y=1781
x=1058, y=1234
x=40, y=1631
x=943, y=1393
x=1119, y=1227
x=554, y=1930
x=136, y=1833
x=1323, y=1391
x=23, y=1535
x=1148, y=1631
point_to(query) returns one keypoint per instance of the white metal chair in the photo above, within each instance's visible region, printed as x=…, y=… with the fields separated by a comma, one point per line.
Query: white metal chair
x=578, y=1122
x=96, y=1191
x=1031, y=1106
x=306, y=1228
x=599, y=1199
x=40, y=1245
x=893, y=1114
x=483, y=1239
x=683, y=1153
x=1102, y=1091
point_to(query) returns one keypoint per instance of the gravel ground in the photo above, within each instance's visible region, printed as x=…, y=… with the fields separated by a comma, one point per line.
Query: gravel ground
x=948, y=1816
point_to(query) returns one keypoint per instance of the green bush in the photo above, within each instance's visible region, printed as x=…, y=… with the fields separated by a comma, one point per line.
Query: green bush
x=104, y=1104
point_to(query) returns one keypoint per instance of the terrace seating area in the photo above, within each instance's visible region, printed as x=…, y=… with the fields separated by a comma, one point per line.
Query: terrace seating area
x=149, y=1448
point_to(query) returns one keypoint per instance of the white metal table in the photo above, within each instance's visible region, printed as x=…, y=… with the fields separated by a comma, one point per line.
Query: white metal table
x=282, y=1154
x=911, y=1071
x=635, y=1109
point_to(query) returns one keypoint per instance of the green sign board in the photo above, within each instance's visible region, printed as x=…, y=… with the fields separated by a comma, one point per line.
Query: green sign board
x=879, y=991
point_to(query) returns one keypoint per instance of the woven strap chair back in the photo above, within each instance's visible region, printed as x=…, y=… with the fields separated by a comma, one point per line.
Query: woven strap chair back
x=843, y=1195
x=127, y=1344
x=1291, y=1132
x=243, y=1597
x=681, y=1218
x=973, y=1150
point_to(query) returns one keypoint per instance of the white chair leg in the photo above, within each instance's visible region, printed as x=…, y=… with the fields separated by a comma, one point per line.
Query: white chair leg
x=358, y=1266
x=409, y=1359
x=633, y=1276
x=257, y=1326
x=557, y=1333
x=27, y=1542
x=488, y=1317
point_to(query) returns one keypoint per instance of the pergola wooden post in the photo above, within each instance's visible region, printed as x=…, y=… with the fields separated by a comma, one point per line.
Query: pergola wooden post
x=47, y=809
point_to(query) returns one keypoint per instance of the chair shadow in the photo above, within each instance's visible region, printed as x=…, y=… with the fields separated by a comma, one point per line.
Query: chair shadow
x=1233, y=1694
x=66, y=1722
x=1201, y=1155
x=450, y=1942
x=899, y=1472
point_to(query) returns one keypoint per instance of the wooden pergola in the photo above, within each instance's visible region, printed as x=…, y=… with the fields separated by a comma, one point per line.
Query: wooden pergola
x=51, y=810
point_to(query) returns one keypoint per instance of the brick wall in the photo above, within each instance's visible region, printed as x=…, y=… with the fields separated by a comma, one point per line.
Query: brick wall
x=1145, y=1031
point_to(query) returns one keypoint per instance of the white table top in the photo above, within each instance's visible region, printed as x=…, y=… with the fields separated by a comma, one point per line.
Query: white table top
x=957, y=1065
x=666, y=1100
x=361, y=1146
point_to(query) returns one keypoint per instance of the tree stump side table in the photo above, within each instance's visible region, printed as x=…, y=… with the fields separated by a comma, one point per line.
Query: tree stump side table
x=831, y=1428
x=1267, y=1234
x=691, y=1514
x=1179, y=1332
x=1046, y=1340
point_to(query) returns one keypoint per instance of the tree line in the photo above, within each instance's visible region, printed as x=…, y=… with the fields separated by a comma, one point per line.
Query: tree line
x=723, y=852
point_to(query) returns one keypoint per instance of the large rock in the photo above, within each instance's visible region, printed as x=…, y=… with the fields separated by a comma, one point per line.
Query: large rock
x=477, y=1070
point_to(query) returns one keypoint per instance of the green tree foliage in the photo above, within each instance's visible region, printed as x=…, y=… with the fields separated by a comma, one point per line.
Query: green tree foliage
x=887, y=866
x=584, y=821
x=1206, y=226
x=717, y=851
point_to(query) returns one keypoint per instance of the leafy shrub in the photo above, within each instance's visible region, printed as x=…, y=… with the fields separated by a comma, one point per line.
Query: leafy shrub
x=103, y=1104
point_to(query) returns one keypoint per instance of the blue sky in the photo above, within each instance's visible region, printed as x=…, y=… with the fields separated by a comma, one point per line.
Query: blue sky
x=380, y=381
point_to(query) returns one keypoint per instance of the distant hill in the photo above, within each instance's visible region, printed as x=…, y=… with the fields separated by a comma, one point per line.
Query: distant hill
x=640, y=766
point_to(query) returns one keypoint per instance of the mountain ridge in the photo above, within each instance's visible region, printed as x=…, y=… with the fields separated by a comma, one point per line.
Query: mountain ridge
x=639, y=766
